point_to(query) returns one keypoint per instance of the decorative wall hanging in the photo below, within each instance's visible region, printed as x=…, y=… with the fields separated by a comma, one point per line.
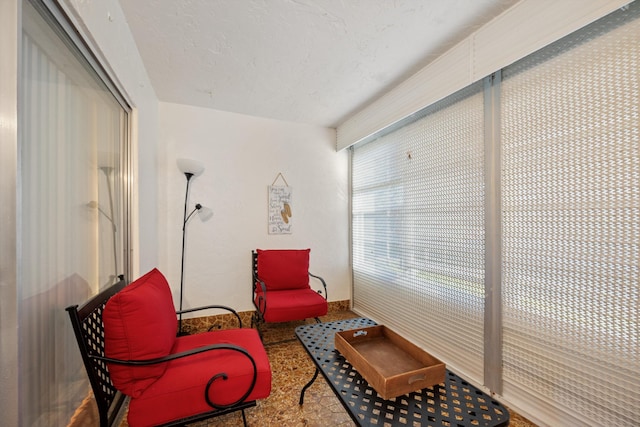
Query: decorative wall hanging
x=280, y=207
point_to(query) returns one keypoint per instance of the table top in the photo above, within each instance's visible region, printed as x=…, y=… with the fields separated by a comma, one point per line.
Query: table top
x=453, y=403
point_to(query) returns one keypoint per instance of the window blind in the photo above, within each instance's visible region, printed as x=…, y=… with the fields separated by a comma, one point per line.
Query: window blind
x=571, y=226
x=568, y=120
x=418, y=230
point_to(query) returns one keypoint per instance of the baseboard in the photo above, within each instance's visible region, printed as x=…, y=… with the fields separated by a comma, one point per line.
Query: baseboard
x=227, y=320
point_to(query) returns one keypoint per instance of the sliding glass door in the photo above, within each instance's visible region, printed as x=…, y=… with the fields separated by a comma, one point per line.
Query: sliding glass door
x=72, y=211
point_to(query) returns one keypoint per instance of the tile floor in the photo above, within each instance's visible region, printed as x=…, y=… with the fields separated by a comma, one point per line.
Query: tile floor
x=292, y=369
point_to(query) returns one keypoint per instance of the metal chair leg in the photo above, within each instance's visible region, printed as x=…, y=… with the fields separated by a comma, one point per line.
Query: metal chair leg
x=255, y=320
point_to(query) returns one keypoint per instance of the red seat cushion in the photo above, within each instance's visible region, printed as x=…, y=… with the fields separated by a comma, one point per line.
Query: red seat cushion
x=139, y=323
x=284, y=268
x=296, y=304
x=180, y=391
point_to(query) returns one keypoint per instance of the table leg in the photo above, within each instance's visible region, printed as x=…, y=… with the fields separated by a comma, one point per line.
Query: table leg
x=315, y=375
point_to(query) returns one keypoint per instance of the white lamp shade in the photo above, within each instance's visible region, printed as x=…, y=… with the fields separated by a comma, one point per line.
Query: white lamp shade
x=193, y=167
x=205, y=213
x=106, y=159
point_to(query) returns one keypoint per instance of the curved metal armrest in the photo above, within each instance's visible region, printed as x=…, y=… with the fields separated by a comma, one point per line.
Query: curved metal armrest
x=192, y=352
x=262, y=285
x=324, y=284
x=262, y=301
x=206, y=307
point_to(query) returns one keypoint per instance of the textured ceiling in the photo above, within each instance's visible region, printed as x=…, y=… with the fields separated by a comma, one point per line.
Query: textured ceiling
x=307, y=61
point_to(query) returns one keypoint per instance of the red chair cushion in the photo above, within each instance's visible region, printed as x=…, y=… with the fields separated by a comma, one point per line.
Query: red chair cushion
x=296, y=304
x=180, y=391
x=139, y=323
x=284, y=268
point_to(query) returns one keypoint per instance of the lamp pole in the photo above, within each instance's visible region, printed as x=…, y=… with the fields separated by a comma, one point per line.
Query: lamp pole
x=184, y=234
x=107, y=172
x=190, y=168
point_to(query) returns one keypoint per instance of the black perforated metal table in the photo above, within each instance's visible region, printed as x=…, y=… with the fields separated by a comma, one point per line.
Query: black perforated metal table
x=455, y=403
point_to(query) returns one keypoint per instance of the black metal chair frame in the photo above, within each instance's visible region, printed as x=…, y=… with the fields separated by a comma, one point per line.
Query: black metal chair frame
x=89, y=332
x=258, y=316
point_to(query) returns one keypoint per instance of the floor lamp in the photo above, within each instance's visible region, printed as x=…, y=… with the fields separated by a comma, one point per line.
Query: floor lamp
x=107, y=172
x=110, y=216
x=190, y=168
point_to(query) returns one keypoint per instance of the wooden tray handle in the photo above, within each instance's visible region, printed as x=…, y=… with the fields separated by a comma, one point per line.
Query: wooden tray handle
x=416, y=378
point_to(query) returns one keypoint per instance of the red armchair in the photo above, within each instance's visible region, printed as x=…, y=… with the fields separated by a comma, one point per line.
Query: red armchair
x=281, y=287
x=127, y=337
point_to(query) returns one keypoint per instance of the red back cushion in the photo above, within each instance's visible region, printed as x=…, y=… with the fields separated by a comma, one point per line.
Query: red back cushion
x=139, y=323
x=284, y=268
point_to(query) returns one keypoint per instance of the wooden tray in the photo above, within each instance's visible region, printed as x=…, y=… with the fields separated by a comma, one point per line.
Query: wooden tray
x=391, y=365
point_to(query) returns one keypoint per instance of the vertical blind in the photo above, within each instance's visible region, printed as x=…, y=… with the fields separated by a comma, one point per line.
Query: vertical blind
x=571, y=224
x=418, y=230
x=71, y=216
x=570, y=228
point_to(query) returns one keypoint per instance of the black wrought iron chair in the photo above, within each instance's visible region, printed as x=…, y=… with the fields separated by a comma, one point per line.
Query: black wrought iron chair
x=281, y=287
x=235, y=357
x=89, y=331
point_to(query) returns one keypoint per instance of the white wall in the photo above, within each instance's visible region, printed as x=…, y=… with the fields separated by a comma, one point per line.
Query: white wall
x=242, y=157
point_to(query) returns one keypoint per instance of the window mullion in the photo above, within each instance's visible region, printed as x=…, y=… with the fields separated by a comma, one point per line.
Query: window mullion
x=493, y=238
